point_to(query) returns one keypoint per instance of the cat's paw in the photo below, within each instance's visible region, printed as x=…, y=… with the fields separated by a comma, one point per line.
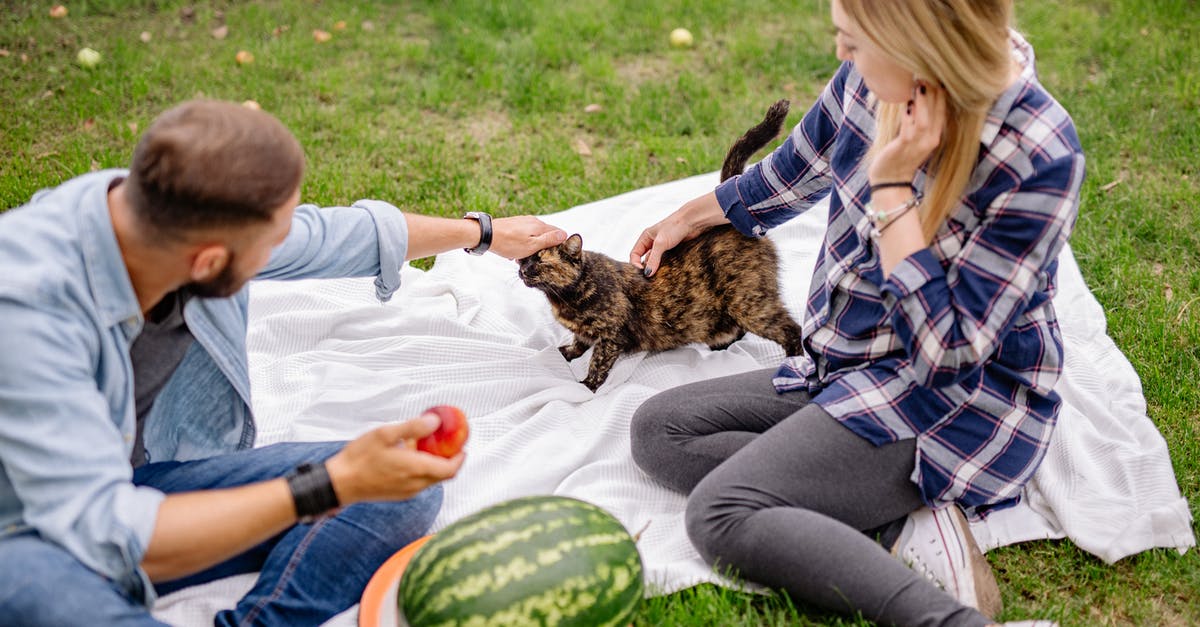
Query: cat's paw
x=571, y=352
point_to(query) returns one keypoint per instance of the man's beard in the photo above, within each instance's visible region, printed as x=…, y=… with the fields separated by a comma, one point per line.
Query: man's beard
x=224, y=285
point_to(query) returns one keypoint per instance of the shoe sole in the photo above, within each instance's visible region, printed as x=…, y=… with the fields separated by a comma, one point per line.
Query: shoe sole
x=987, y=591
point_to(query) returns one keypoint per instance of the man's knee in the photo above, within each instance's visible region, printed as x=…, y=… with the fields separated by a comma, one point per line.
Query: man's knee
x=397, y=522
x=426, y=506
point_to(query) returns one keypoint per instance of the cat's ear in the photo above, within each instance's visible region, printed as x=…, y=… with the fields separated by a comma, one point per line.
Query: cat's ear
x=573, y=246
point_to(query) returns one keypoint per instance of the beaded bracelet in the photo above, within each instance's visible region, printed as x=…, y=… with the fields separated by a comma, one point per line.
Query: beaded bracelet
x=881, y=220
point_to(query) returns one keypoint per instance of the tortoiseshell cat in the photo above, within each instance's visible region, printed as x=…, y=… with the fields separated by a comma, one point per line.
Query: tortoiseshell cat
x=711, y=289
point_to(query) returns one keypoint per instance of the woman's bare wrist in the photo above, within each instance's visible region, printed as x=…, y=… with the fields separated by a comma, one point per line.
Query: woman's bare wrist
x=703, y=213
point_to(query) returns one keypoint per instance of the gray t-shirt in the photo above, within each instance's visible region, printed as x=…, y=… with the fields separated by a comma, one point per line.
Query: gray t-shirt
x=156, y=353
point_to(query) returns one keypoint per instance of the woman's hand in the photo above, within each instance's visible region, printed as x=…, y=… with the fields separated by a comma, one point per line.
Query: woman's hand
x=921, y=128
x=920, y=134
x=690, y=220
x=384, y=465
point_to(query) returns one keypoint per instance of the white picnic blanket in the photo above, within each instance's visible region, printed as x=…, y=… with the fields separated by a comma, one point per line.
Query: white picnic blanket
x=329, y=362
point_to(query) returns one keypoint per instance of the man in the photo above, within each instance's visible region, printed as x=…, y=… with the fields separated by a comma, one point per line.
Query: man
x=126, y=462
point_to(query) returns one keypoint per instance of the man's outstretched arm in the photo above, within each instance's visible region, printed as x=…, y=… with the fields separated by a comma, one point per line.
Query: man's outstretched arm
x=512, y=238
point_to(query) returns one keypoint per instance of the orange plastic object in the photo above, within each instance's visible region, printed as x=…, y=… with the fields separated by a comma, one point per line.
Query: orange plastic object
x=378, y=606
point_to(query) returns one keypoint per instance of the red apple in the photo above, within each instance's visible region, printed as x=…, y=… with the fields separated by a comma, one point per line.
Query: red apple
x=450, y=436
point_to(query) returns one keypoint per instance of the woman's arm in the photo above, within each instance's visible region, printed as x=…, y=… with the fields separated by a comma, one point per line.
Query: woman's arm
x=950, y=327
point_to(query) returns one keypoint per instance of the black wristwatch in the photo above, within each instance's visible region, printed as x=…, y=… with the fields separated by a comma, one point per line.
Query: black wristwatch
x=312, y=492
x=485, y=231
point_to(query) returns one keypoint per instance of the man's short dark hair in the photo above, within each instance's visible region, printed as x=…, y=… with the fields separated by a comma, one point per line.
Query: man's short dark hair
x=209, y=164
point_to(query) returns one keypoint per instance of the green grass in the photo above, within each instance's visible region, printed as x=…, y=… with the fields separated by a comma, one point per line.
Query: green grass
x=442, y=107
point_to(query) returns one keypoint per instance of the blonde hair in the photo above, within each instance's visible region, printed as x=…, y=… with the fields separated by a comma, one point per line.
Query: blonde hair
x=963, y=45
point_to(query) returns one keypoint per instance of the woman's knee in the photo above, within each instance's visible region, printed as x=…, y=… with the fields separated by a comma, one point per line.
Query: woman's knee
x=648, y=430
x=715, y=511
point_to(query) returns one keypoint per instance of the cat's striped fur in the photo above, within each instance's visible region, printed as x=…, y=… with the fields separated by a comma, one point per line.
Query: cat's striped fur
x=711, y=289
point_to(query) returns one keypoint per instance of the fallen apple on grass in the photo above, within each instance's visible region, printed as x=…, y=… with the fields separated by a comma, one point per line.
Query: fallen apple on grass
x=450, y=435
x=88, y=58
x=681, y=38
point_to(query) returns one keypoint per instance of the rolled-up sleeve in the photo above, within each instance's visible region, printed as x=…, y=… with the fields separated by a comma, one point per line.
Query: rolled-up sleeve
x=794, y=176
x=369, y=238
x=65, y=458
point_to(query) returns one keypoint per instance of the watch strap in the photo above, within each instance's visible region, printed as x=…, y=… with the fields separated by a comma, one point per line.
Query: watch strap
x=485, y=231
x=312, y=491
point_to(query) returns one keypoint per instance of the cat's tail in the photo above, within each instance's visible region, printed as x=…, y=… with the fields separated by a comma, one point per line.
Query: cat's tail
x=754, y=139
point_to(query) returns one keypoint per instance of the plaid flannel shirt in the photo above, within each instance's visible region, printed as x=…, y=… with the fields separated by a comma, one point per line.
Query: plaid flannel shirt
x=959, y=347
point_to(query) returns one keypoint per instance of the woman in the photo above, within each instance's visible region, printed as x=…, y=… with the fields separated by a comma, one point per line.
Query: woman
x=932, y=347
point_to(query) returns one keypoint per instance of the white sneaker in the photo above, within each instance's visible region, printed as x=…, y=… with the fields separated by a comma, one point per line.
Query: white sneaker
x=939, y=545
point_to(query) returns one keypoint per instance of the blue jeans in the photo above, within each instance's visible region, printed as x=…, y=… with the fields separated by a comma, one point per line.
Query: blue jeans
x=308, y=573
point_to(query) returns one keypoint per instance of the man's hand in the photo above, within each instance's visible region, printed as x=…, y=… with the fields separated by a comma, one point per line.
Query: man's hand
x=380, y=465
x=521, y=236
x=513, y=238
x=384, y=464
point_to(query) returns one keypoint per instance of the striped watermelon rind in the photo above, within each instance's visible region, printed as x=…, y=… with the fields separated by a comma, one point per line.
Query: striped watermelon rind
x=537, y=560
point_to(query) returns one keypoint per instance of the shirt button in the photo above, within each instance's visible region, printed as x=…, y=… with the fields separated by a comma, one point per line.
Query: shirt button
x=128, y=437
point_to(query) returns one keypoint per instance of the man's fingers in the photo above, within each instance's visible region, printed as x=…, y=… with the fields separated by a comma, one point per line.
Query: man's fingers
x=415, y=428
x=447, y=468
x=550, y=238
x=517, y=237
x=427, y=466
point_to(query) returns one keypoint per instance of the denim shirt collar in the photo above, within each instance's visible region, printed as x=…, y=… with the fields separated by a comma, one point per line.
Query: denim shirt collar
x=108, y=277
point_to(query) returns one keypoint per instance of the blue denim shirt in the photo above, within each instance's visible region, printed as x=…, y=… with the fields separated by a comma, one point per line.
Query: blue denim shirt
x=68, y=315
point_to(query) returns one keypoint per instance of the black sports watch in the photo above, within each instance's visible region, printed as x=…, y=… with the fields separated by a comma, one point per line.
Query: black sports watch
x=312, y=492
x=485, y=231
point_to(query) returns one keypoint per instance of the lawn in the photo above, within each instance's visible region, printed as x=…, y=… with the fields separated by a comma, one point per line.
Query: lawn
x=537, y=106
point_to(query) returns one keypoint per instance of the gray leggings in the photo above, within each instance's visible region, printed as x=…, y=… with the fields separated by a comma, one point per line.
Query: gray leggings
x=783, y=493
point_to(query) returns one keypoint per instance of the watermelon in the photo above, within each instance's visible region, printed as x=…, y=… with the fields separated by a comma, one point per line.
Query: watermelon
x=537, y=560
